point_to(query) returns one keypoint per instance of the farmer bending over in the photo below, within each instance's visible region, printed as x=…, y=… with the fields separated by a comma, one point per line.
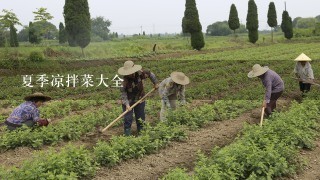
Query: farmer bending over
x=132, y=90
x=28, y=113
x=273, y=84
x=304, y=72
x=170, y=89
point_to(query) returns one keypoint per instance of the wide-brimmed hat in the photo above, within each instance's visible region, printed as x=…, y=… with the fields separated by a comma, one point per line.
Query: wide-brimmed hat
x=129, y=68
x=303, y=57
x=257, y=70
x=37, y=95
x=179, y=78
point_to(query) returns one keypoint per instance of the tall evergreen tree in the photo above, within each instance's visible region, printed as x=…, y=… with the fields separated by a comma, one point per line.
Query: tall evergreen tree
x=191, y=24
x=2, y=36
x=233, y=21
x=252, y=22
x=190, y=21
x=197, y=40
x=62, y=34
x=13, y=36
x=286, y=25
x=77, y=22
x=272, y=18
x=33, y=37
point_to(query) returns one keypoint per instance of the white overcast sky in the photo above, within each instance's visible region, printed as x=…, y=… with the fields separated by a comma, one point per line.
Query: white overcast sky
x=160, y=16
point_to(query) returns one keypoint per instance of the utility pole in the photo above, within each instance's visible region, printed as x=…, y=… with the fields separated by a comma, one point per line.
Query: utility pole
x=141, y=29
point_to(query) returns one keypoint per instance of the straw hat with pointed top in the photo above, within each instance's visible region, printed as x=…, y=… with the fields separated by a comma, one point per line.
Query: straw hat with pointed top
x=180, y=78
x=302, y=57
x=129, y=68
x=257, y=70
x=37, y=95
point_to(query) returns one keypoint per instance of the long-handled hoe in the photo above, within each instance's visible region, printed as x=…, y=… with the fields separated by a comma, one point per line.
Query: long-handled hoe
x=125, y=112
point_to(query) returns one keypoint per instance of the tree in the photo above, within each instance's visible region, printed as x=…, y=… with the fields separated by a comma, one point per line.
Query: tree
x=33, y=37
x=100, y=27
x=191, y=24
x=286, y=25
x=318, y=18
x=190, y=21
x=305, y=23
x=7, y=21
x=62, y=34
x=9, y=18
x=41, y=15
x=222, y=29
x=13, y=36
x=23, y=35
x=295, y=21
x=197, y=40
x=2, y=35
x=233, y=21
x=252, y=22
x=45, y=29
x=272, y=18
x=77, y=21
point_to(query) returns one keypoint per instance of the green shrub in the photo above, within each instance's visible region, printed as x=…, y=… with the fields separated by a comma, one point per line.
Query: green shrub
x=177, y=174
x=36, y=56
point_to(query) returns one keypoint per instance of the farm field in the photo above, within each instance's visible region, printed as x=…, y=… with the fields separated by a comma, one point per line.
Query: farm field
x=223, y=110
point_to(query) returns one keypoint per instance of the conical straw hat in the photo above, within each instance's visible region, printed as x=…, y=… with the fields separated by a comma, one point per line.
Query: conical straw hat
x=302, y=57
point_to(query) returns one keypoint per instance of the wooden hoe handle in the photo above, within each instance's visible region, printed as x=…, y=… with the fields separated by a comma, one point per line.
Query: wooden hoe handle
x=125, y=112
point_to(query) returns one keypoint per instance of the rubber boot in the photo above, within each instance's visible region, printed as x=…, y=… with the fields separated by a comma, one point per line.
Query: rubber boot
x=127, y=132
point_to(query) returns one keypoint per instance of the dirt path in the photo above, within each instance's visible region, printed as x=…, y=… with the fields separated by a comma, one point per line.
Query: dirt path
x=311, y=171
x=181, y=154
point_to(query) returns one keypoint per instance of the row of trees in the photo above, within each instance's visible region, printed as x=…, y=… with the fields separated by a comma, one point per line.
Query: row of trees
x=191, y=23
x=252, y=24
x=77, y=30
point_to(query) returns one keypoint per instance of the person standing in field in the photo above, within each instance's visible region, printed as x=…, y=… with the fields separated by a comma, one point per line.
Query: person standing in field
x=132, y=90
x=273, y=84
x=170, y=89
x=304, y=72
x=28, y=113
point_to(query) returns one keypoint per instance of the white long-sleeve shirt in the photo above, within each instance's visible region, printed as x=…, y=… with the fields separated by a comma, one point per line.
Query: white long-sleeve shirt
x=304, y=72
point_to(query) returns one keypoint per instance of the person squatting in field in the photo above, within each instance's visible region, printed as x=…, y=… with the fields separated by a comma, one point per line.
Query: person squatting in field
x=273, y=84
x=170, y=89
x=131, y=91
x=304, y=72
x=28, y=113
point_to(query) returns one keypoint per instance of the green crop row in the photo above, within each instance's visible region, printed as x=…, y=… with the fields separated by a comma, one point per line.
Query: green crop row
x=69, y=128
x=119, y=148
x=262, y=153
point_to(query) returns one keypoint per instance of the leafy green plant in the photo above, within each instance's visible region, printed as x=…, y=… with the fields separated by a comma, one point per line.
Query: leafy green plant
x=36, y=56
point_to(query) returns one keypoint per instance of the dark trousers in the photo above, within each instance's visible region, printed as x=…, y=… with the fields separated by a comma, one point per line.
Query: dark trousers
x=304, y=87
x=138, y=113
x=12, y=127
x=273, y=103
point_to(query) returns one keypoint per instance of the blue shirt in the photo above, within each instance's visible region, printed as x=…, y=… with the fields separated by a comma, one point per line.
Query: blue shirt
x=24, y=112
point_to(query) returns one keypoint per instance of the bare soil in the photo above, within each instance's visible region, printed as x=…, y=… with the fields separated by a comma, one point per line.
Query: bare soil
x=311, y=170
x=178, y=154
